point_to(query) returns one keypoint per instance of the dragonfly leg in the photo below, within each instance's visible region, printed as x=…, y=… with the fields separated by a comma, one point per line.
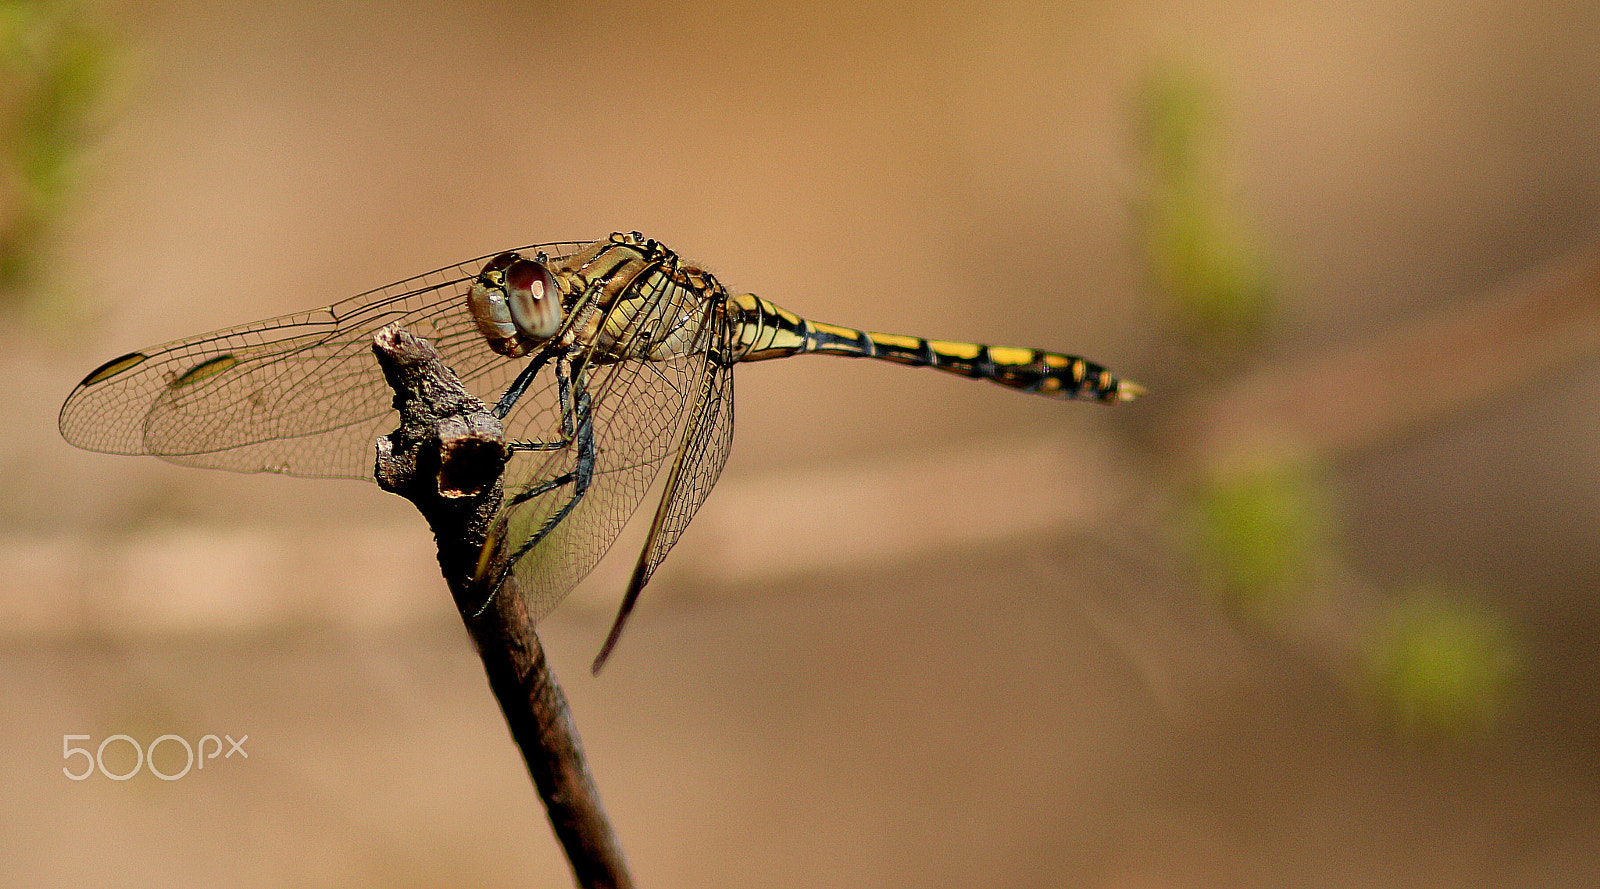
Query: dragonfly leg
x=520, y=385
x=536, y=445
x=581, y=475
x=515, y=392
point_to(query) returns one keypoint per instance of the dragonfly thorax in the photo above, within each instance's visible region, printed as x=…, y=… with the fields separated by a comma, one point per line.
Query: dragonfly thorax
x=515, y=304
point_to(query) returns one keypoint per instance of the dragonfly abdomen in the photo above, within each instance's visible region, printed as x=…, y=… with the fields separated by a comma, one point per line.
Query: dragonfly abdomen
x=769, y=331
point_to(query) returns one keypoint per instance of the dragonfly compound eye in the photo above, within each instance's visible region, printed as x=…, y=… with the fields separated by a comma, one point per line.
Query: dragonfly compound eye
x=495, y=268
x=535, y=302
x=490, y=311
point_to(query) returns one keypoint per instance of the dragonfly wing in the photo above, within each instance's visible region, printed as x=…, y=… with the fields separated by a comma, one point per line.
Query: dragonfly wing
x=707, y=439
x=300, y=394
x=638, y=407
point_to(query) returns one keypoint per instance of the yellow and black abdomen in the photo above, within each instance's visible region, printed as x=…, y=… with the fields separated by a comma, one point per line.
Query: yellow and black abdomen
x=766, y=330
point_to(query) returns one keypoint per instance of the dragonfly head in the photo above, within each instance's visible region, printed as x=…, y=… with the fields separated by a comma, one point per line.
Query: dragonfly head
x=515, y=303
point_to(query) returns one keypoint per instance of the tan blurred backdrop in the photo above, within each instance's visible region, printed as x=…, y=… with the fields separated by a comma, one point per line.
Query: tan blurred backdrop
x=926, y=632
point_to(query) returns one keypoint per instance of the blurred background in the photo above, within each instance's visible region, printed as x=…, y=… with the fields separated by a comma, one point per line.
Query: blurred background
x=1320, y=611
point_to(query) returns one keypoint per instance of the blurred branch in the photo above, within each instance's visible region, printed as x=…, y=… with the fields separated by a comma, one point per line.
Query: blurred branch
x=1353, y=399
x=446, y=458
x=1440, y=665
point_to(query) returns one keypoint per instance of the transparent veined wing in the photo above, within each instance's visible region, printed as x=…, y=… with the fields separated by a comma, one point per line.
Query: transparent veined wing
x=300, y=394
x=707, y=439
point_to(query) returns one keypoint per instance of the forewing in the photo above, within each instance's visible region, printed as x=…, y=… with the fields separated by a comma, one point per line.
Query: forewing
x=707, y=439
x=301, y=394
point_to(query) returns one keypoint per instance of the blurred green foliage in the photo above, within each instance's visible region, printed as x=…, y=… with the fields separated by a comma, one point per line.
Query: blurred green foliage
x=53, y=70
x=1441, y=666
x=1197, y=245
x=1265, y=540
x=1260, y=537
x=1257, y=534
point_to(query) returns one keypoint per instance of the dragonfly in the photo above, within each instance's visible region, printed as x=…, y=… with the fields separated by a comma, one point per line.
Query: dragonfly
x=608, y=362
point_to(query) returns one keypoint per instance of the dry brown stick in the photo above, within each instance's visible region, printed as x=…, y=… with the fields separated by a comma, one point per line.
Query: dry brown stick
x=446, y=458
